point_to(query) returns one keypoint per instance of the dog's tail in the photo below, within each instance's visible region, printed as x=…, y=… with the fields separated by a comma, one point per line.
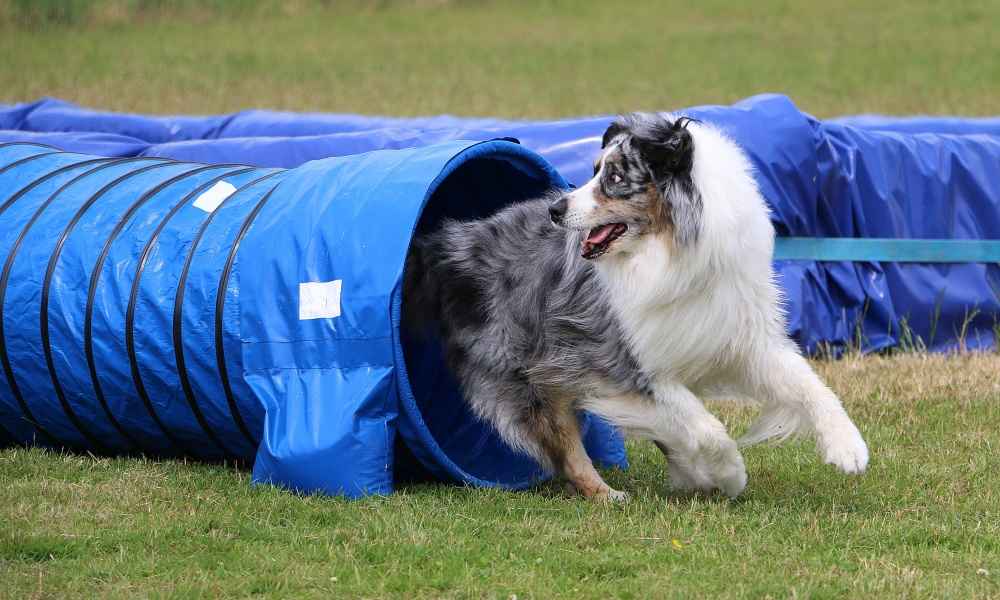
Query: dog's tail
x=421, y=293
x=776, y=423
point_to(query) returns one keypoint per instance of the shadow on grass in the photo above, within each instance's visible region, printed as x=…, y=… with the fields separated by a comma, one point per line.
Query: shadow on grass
x=42, y=548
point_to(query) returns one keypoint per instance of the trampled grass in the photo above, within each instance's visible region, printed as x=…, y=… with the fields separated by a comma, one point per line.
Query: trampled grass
x=922, y=523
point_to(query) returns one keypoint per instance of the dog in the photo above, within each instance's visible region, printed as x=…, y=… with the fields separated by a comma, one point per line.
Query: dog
x=632, y=297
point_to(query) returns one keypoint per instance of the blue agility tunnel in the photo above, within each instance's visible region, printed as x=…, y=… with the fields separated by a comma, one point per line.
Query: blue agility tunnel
x=227, y=312
x=896, y=183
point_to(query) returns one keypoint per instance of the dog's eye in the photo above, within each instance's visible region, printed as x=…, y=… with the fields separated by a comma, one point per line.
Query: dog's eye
x=616, y=178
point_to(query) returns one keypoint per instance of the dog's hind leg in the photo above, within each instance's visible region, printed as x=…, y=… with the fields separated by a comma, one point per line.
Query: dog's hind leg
x=546, y=429
x=795, y=399
x=700, y=454
x=558, y=434
x=579, y=470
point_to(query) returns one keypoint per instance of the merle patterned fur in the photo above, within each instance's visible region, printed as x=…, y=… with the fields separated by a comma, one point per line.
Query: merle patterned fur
x=526, y=324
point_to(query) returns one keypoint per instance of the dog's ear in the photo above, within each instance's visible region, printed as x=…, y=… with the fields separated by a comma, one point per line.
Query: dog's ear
x=668, y=148
x=616, y=128
x=685, y=208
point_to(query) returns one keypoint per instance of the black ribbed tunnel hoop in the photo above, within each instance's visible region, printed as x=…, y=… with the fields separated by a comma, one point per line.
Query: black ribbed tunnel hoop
x=134, y=295
x=130, y=318
x=36, y=144
x=26, y=159
x=95, y=276
x=46, y=291
x=102, y=163
x=4, y=434
x=4, y=358
x=178, y=317
x=220, y=304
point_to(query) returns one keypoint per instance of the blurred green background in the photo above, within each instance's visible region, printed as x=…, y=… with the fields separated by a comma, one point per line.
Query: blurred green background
x=512, y=59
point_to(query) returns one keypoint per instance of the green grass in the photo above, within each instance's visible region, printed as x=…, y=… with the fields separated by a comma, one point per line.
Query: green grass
x=513, y=59
x=922, y=523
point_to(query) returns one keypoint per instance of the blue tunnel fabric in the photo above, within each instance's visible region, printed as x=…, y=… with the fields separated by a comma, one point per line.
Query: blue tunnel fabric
x=866, y=176
x=137, y=314
x=989, y=126
x=158, y=339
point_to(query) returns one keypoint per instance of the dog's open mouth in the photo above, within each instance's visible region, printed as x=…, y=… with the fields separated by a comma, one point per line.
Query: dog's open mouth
x=599, y=239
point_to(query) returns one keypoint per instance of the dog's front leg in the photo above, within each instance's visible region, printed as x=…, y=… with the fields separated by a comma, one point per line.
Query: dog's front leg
x=796, y=399
x=701, y=455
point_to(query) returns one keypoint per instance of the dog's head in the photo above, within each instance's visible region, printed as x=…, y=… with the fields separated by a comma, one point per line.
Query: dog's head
x=641, y=186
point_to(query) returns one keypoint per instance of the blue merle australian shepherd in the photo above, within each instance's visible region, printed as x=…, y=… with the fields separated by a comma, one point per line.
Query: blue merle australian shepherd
x=633, y=297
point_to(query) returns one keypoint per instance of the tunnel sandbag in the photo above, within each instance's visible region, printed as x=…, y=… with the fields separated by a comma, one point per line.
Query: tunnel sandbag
x=234, y=313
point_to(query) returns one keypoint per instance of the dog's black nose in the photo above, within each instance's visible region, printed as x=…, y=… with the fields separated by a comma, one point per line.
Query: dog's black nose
x=557, y=210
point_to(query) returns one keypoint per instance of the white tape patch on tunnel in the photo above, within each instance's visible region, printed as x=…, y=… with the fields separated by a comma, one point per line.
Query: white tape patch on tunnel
x=210, y=199
x=319, y=299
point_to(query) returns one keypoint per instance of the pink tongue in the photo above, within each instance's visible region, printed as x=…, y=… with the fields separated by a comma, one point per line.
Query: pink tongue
x=597, y=236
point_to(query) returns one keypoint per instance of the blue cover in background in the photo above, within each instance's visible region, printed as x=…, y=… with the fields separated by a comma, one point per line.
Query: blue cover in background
x=863, y=176
x=866, y=176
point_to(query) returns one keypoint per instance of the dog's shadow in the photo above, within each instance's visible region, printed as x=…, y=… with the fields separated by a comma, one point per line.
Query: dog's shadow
x=808, y=486
x=784, y=478
x=767, y=491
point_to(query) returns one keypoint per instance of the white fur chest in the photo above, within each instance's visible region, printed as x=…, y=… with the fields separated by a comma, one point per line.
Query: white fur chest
x=678, y=322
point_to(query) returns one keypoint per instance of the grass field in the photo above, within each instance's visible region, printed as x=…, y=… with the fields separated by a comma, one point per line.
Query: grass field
x=924, y=522
x=513, y=59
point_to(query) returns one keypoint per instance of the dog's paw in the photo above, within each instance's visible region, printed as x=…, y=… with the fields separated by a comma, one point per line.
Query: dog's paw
x=727, y=470
x=715, y=467
x=844, y=448
x=682, y=479
x=613, y=496
x=731, y=477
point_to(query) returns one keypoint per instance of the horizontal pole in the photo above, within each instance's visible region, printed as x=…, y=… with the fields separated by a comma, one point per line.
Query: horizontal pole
x=887, y=250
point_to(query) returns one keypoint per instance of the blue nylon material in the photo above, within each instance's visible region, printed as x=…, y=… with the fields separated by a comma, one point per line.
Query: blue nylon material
x=866, y=177
x=989, y=126
x=323, y=400
x=101, y=144
x=345, y=223
x=22, y=303
x=16, y=151
x=50, y=115
x=156, y=291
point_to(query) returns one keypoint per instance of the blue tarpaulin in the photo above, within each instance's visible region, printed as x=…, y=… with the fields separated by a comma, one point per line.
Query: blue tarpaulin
x=135, y=319
x=247, y=314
